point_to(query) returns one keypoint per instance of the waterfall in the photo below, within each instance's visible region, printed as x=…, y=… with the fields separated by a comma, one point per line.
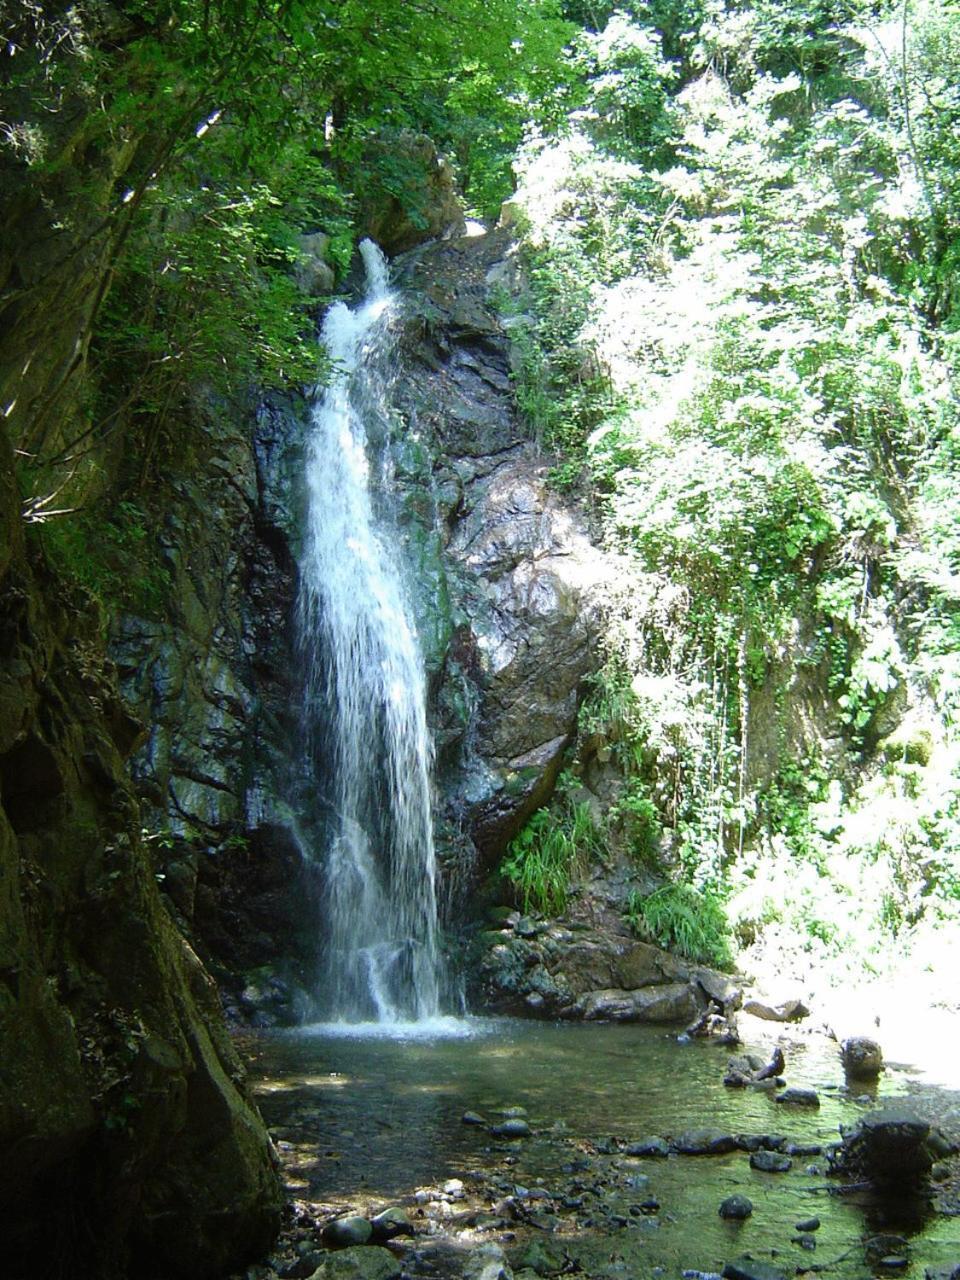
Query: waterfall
x=364, y=706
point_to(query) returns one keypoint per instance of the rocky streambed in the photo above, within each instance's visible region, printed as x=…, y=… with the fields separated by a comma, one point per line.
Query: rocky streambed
x=503, y=1148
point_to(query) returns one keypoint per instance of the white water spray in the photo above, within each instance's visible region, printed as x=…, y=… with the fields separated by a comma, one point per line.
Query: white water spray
x=365, y=695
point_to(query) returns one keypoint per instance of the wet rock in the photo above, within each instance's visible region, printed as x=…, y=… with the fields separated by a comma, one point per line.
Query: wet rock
x=670, y=1003
x=803, y=1149
x=760, y=1142
x=341, y=1233
x=651, y=1146
x=747, y=1268
x=471, y=1117
x=889, y=1148
x=513, y=1128
x=704, y=1142
x=370, y=1262
x=795, y=1096
x=807, y=1242
x=950, y=1272
x=940, y=1145
x=313, y=273
x=862, y=1058
x=770, y=1162
x=808, y=1224
x=786, y=1011
x=735, y=1208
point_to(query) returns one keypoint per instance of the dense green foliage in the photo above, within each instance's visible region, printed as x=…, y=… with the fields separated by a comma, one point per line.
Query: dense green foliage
x=739, y=228
x=212, y=136
x=740, y=341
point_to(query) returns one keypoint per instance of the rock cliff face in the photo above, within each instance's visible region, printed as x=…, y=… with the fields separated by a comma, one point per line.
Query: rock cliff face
x=123, y=1117
x=516, y=562
x=124, y=1123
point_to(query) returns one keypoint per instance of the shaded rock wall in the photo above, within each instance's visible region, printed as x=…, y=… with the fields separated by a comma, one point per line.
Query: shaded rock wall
x=123, y=1117
x=124, y=1122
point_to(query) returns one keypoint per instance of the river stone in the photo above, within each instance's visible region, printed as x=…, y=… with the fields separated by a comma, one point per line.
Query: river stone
x=890, y=1148
x=651, y=1146
x=542, y=1258
x=799, y=1097
x=808, y=1224
x=736, y=1208
x=770, y=1162
x=471, y=1117
x=704, y=1142
x=513, y=1128
x=787, y=1011
x=389, y=1224
x=368, y=1262
x=344, y=1232
x=747, y=1268
x=862, y=1058
x=487, y=1263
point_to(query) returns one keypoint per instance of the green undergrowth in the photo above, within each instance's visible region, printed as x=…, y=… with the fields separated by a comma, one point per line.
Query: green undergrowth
x=685, y=920
x=739, y=343
x=554, y=843
x=113, y=557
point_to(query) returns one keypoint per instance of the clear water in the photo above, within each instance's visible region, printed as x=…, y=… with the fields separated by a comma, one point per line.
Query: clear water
x=364, y=707
x=364, y=1122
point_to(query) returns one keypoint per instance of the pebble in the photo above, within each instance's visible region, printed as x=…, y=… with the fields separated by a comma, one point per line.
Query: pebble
x=652, y=1146
x=512, y=1128
x=808, y=1224
x=770, y=1162
x=807, y=1242
x=798, y=1097
x=471, y=1117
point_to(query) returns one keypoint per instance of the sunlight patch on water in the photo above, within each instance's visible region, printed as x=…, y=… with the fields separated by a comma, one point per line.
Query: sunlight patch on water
x=437, y=1028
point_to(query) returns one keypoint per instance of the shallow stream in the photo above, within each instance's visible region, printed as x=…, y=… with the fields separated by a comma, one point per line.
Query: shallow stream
x=365, y=1121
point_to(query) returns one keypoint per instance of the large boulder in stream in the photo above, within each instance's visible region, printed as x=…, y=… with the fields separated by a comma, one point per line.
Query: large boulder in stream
x=891, y=1149
x=576, y=972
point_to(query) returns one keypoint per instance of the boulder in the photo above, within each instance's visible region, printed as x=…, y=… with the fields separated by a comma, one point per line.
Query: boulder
x=796, y=1096
x=862, y=1058
x=370, y=1262
x=704, y=1142
x=342, y=1233
x=671, y=1003
x=736, y=1208
x=652, y=1146
x=747, y=1268
x=313, y=273
x=770, y=1162
x=409, y=194
x=890, y=1148
x=786, y=1011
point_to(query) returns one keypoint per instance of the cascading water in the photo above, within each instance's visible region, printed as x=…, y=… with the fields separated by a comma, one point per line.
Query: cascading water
x=365, y=694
